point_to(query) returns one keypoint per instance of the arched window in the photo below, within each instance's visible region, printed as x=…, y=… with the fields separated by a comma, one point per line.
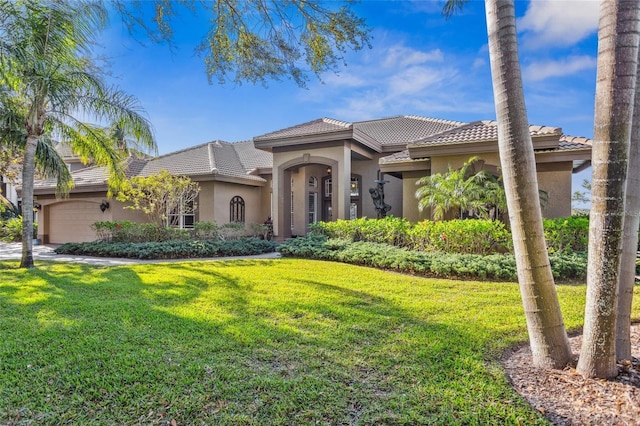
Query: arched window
x=236, y=209
x=313, y=182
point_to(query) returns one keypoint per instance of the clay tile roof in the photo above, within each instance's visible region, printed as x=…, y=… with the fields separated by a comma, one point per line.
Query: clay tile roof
x=218, y=157
x=212, y=158
x=189, y=161
x=479, y=131
x=252, y=158
x=404, y=129
x=397, y=157
x=574, y=142
x=321, y=125
x=88, y=176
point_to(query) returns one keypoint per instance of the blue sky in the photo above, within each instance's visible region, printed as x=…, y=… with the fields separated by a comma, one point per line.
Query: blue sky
x=420, y=64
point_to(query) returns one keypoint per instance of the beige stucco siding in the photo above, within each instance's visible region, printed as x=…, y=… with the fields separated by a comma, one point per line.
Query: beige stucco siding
x=206, y=202
x=410, y=209
x=254, y=211
x=120, y=213
x=555, y=179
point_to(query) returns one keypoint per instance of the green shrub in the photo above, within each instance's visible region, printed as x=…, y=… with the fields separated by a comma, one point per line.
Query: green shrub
x=231, y=231
x=169, y=249
x=453, y=236
x=132, y=232
x=206, y=231
x=567, y=234
x=565, y=266
x=470, y=236
x=11, y=230
x=389, y=230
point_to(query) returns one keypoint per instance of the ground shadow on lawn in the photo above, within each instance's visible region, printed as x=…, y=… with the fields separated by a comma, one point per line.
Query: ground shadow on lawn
x=246, y=342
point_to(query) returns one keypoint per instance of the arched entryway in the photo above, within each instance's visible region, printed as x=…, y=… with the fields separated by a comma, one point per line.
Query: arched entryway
x=303, y=194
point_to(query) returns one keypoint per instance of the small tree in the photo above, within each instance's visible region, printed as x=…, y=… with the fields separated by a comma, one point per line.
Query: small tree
x=479, y=193
x=160, y=194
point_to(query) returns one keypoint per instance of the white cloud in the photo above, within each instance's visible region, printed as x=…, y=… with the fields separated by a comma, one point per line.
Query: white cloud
x=558, y=22
x=405, y=56
x=396, y=78
x=479, y=63
x=416, y=80
x=344, y=79
x=542, y=70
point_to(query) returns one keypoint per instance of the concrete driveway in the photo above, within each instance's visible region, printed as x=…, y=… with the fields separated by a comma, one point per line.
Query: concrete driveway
x=12, y=251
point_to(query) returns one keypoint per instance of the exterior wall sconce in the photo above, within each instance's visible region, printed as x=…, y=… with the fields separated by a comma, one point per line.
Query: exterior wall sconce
x=328, y=170
x=104, y=205
x=37, y=206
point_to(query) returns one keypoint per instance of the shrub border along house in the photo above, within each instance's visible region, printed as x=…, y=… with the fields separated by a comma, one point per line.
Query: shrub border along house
x=471, y=248
x=148, y=241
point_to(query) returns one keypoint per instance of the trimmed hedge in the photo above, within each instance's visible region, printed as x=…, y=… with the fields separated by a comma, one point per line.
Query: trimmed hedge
x=469, y=236
x=170, y=249
x=565, y=266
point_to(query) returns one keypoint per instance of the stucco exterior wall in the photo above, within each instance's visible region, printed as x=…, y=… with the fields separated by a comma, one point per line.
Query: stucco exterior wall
x=254, y=211
x=410, y=209
x=555, y=179
x=393, y=190
x=206, y=203
x=120, y=213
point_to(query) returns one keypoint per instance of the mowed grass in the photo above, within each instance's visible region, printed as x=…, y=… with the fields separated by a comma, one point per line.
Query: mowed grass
x=262, y=342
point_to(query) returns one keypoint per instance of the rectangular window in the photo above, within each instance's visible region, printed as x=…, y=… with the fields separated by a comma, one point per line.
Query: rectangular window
x=182, y=216
x=328, y=188
x=292, y=222
x=313, y=206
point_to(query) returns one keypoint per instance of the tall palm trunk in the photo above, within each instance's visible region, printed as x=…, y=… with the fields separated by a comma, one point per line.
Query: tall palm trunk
x=626, y=280
x=28, y=173
x=34, y=126
x=547, y=335
x=618, y=40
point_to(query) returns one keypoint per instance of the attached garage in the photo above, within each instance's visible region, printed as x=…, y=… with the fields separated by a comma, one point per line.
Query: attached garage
x=71, y=221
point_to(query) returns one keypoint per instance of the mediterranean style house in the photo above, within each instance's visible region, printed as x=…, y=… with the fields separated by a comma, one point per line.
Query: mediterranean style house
x=320, y=170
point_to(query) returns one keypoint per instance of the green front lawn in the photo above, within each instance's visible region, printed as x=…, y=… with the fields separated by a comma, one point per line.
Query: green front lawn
x=257, y=342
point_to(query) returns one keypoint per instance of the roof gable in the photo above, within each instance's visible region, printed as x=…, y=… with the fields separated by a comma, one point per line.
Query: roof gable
x=321, y=125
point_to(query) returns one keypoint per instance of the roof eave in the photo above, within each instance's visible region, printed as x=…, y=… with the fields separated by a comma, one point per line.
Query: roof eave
x=268, y=144
x=422, y=164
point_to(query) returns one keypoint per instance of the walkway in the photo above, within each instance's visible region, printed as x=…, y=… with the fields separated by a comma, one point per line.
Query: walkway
x=12, y=251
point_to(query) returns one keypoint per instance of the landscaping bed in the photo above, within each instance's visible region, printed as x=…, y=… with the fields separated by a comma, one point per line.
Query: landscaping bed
x=180, y=249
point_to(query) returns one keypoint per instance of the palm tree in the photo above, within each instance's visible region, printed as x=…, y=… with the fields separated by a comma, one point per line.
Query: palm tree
x=547, y=335
x=618, y=42
x=44, y=67
x=627, y=275
x=460, y=189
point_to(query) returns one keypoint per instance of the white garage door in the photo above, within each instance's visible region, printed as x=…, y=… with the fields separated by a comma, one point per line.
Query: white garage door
x=71, y=221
